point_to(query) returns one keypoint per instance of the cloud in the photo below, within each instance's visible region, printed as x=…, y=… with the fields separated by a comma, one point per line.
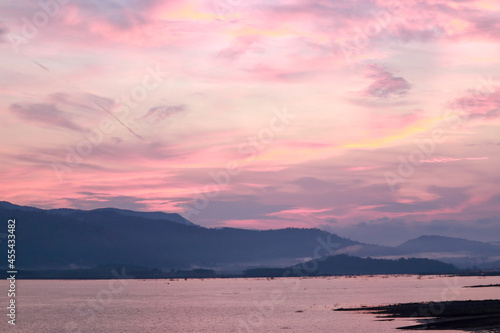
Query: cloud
x=479, y=104
x=82, y=101
x=310, y=184
x=241, y=46
x=243, y=208
x=385, y=84
x=423, y=34
x=160, y=113
x=128, y=23
x=450, y=159
x=44, y=114
x=328, y=164
x=484, y=207
x=447, y=197
x=3, y=32
x=122, y=15
x=91, y=200
x=483, y=24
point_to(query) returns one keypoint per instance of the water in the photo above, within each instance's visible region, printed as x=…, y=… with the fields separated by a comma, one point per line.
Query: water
x=226, y=305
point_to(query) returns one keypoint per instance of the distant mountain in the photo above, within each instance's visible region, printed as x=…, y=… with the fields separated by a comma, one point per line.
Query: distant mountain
x=460, y=252
x=66, y=238
x=8, y=205
x=493, y=265
x=58, y=239
x=347, y=265
x=425, y=244
x=173, y=217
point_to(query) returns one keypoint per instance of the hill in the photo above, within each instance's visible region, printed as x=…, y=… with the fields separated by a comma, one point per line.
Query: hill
x=62, y=239
x=348, y=265
x=447, y=244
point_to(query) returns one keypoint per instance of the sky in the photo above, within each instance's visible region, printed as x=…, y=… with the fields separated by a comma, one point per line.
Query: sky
x=376, y=120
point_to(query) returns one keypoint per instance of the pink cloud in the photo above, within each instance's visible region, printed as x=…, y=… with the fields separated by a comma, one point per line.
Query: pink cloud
x=362, y=168
x=449, y=159
x=44, y=114
x=479, y=104
x=385, y=84
x=262, y=224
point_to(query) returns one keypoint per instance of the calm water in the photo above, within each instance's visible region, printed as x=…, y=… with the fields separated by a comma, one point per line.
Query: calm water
x=226, y=305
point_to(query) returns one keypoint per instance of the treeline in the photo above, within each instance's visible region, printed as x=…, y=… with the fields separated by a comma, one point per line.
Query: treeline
x=327, y=266
x=348, y=265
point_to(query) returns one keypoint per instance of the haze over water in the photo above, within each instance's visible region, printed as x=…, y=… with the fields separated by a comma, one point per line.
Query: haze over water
x=230, y=305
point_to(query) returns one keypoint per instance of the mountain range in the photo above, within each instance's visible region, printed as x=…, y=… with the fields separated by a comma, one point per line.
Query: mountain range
x=79, y=239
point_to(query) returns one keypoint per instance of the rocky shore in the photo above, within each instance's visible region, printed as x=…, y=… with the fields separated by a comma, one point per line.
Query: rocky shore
x=452, y=315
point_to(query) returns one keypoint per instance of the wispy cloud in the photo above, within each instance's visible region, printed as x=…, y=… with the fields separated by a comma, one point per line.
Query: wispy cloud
x=159, y=113
x=44, y=114
x=450, y=159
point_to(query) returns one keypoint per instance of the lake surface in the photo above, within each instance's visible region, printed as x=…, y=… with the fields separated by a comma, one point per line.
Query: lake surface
x=226, y=305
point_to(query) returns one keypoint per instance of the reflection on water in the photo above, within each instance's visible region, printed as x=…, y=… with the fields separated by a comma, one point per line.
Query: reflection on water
x=228, y=305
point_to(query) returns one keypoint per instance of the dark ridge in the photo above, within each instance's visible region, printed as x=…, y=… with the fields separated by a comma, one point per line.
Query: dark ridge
x=452, y=315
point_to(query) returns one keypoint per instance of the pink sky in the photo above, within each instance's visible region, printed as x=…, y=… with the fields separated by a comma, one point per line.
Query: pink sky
x=335, y=113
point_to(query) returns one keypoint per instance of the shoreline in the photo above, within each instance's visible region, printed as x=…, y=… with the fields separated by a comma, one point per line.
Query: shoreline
x=155, y=274
x=449, y=315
